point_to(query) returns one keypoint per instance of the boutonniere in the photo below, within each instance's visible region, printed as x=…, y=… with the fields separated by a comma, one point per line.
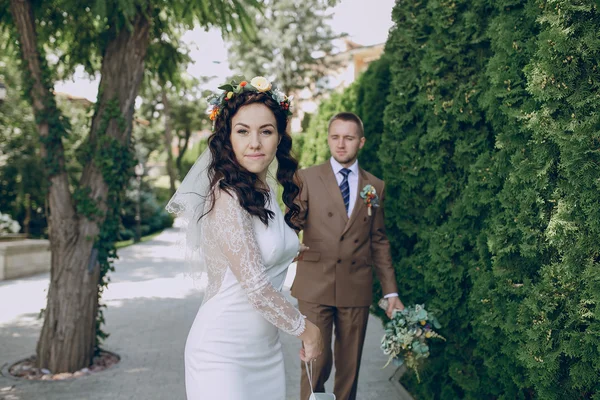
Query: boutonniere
x=369, y=194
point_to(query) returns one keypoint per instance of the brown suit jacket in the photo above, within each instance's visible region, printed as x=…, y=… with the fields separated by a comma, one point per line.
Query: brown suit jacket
x=337, y=269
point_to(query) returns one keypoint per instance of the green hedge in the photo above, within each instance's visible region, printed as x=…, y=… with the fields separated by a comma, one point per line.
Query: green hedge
x=491, y=155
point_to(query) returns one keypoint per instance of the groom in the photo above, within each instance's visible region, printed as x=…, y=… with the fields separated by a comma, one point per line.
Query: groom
x=345, y=239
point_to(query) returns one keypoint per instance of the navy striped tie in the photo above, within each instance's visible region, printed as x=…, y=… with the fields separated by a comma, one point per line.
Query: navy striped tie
x=345, y=188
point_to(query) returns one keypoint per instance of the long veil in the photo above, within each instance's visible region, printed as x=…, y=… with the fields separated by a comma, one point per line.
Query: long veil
x=188, y=205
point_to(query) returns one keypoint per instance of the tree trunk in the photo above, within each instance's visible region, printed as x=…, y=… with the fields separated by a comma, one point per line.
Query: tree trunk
x=138, y=211
x=168, y=141
x=62, y=219
x=43, y=105
x=182, y=149
x=68, y=335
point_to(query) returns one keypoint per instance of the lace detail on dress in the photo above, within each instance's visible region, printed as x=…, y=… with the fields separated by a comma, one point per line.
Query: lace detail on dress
x=229, y=241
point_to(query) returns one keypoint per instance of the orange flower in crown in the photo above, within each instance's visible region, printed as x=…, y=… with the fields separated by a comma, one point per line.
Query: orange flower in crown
x=213, y=113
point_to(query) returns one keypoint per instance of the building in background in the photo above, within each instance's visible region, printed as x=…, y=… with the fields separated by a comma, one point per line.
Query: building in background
x=347, y=67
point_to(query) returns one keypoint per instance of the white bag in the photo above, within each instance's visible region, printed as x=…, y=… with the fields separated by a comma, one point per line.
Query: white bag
x=316, y=396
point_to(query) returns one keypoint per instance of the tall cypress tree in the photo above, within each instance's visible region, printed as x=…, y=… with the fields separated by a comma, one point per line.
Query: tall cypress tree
x=434, y=136
x=372, y=91
x=513, y=247
x=561, y=315
x=495, y=219
x=537, y=317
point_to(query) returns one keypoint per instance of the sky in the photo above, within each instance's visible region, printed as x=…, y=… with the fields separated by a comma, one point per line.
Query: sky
x=364, y=23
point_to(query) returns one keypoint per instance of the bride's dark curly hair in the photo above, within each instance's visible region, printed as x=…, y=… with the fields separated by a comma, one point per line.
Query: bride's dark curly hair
x=230, y=176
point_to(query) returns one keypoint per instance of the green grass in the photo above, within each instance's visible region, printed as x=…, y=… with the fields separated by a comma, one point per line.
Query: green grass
x=126, y=243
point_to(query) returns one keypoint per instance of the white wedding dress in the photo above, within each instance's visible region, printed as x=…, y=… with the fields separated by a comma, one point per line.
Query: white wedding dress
x=233, y=350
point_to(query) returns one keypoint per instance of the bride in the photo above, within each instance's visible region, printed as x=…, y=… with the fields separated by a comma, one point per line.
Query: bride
x=238, y=235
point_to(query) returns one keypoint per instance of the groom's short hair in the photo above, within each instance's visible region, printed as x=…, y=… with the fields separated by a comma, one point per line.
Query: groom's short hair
x=348, y=116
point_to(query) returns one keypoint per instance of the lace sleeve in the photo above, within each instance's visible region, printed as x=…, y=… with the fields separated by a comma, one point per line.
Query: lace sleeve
x=233, y=232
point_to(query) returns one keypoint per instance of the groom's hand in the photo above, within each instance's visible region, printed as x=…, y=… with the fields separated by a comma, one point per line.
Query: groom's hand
x=394, y=303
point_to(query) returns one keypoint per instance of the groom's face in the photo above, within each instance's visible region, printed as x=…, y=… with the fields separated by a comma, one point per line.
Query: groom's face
x=344, y=141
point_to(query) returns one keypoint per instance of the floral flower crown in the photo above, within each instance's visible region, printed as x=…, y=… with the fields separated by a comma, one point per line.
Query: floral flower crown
x=257, y=84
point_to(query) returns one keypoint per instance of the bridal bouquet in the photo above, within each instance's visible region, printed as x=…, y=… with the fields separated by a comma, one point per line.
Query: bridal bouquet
x=406, y=337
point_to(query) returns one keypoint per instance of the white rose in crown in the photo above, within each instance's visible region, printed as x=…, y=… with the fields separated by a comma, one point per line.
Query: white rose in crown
x=261, y=84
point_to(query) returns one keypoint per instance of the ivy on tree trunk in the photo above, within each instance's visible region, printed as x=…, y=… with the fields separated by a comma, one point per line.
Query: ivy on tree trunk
x=83, y=225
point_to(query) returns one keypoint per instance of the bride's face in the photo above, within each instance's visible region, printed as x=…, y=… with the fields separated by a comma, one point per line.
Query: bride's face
x=254, y=138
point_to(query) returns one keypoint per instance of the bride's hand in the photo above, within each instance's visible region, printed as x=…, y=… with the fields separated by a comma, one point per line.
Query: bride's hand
x=303, y=248
x=312, y=342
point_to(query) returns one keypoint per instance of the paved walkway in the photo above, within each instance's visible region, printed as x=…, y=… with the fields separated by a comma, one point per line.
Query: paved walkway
x=151, y=307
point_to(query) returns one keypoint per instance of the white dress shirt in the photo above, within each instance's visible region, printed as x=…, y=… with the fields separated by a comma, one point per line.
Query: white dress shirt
x=352, y=181
x=353, y=186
